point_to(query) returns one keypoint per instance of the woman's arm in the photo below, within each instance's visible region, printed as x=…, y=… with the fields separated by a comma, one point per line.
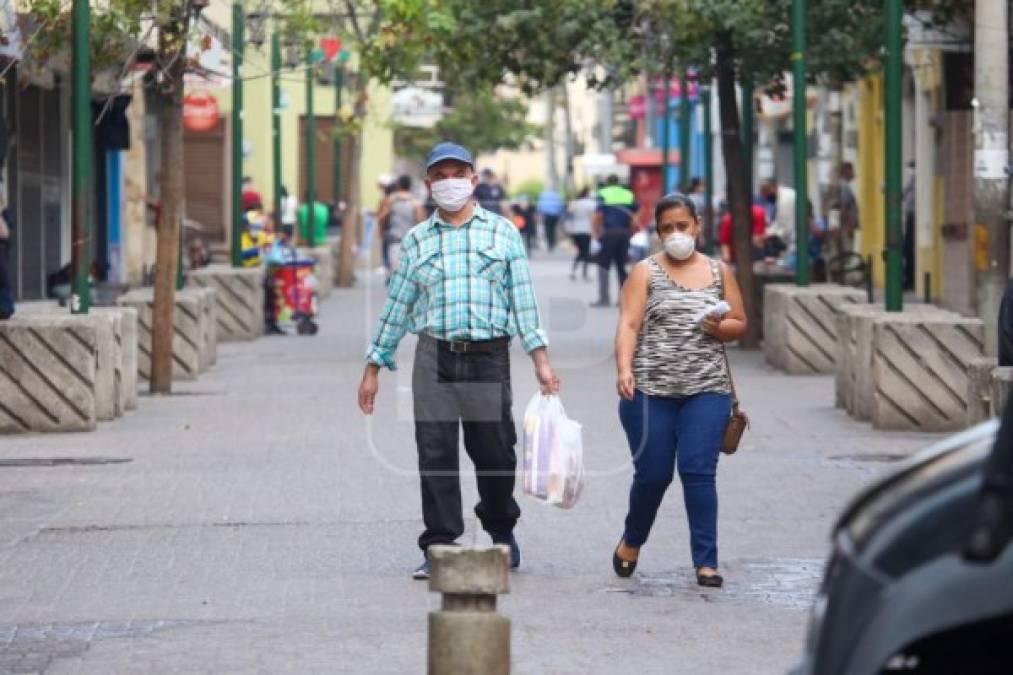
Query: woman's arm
x=733, y=325
x=631, y=316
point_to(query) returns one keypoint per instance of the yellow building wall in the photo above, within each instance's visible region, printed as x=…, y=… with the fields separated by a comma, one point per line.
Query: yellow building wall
x=870, y=173
x=378, y=135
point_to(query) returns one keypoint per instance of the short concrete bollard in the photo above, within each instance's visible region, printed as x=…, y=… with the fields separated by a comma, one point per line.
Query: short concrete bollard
x=467, y=636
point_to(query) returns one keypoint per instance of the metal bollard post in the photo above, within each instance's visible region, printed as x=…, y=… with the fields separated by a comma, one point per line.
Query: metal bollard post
x=467, y=636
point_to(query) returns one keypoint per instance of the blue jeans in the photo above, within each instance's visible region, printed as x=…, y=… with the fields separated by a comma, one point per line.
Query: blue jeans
x=664, y=433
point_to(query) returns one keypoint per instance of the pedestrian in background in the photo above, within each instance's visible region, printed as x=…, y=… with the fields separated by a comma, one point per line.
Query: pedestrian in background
x=580, y=214
x=288, y=209
x=313, y=220
x=674, y=384
x=463, y=285
x=551, y=208
x=614, y=224
x=251, y=198
x=780, y=206
x=400, y=211
x=726, y=242
x=525, y=210
x=490, y=193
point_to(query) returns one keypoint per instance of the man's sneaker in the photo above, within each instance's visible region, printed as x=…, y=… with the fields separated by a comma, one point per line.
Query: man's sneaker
x=423, y=571
x=515, y=551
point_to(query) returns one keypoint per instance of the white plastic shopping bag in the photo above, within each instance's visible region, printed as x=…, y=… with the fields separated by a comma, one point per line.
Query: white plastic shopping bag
x=553, y=453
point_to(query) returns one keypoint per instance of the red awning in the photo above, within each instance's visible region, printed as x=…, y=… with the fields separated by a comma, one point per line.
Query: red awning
x=638, y=157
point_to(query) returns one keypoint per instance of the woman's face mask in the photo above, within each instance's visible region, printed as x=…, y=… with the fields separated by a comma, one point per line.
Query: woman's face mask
x=680, y=245
x=677, y=228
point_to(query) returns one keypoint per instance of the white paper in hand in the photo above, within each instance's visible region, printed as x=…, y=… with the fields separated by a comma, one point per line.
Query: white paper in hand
x=718, y=310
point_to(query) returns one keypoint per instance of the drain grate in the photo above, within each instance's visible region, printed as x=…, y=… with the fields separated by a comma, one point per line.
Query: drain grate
x=62, y=461
x=874, y=457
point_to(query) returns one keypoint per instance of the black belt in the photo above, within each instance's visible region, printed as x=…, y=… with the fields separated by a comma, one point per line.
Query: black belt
x=470, y=346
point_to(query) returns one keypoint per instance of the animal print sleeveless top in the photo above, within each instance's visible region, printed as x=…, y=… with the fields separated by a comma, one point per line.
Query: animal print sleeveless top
x=674, y=356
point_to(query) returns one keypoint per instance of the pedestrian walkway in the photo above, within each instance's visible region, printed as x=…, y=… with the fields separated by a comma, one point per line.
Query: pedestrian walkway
x=256, y=522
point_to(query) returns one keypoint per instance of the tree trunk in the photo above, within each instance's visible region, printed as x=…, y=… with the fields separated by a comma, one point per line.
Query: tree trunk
x=568, y=181
x=739, y=199
x=352, y=190
x=551, y=170
x=171, y=42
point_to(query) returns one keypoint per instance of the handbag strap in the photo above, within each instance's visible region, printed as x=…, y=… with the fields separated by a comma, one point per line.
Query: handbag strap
x=718, y=272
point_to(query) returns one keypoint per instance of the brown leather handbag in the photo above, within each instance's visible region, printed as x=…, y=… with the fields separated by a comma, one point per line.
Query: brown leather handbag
x=738, y=421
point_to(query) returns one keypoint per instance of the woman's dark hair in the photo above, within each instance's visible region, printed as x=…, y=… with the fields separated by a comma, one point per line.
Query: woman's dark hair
x=284, y=191
x=584, y=193
x=404, y=183
x=674, y=200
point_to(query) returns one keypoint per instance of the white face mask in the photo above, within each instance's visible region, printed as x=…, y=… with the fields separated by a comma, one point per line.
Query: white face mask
x=680, y=245
x=452, y=194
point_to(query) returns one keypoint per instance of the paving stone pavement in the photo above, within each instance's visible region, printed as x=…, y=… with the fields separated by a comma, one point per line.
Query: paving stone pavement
x=260, y=524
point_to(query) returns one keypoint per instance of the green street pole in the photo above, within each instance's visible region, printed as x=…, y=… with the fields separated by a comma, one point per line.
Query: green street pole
x=81, y=185
x=666, y=134
x=685, y=146
x=893, y=84
x=238, y=44
x=276, y=124
x=311, y=154
x=339, y=85
x=798, y=74
x=748, y=117
x=708, y=168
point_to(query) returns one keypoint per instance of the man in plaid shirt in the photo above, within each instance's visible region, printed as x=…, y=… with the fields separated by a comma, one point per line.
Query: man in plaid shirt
x=463, y=285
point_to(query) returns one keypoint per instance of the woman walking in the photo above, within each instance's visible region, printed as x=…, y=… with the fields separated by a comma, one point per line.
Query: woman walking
x=578, y=226
x=674, y=384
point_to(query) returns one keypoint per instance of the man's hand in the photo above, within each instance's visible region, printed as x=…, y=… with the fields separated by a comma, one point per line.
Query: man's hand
x=547, y=379
x=368, y=387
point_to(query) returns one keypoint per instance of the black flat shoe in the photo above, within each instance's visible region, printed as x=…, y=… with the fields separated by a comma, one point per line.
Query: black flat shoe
x=710, y=580
x=623, y=568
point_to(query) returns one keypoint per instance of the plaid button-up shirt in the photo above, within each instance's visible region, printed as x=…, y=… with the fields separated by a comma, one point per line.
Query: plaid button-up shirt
x=465, y=283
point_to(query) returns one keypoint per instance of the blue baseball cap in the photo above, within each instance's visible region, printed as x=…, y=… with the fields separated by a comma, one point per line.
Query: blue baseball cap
x=447, y=150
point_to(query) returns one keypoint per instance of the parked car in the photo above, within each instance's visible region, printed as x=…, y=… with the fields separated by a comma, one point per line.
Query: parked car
x=920, y=579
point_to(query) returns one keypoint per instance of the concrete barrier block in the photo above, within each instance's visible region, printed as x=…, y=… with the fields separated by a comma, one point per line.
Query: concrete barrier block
x=1002, y=379
x=920, y=367
x=846, y=353
x=111, y=395
x=110, y=400
x=801, y=326
x=979, y=390
x=47, y=373
x=859, y=404
x=205, y=298
x=128, y=328
x=239, y=300
x=187, y=339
